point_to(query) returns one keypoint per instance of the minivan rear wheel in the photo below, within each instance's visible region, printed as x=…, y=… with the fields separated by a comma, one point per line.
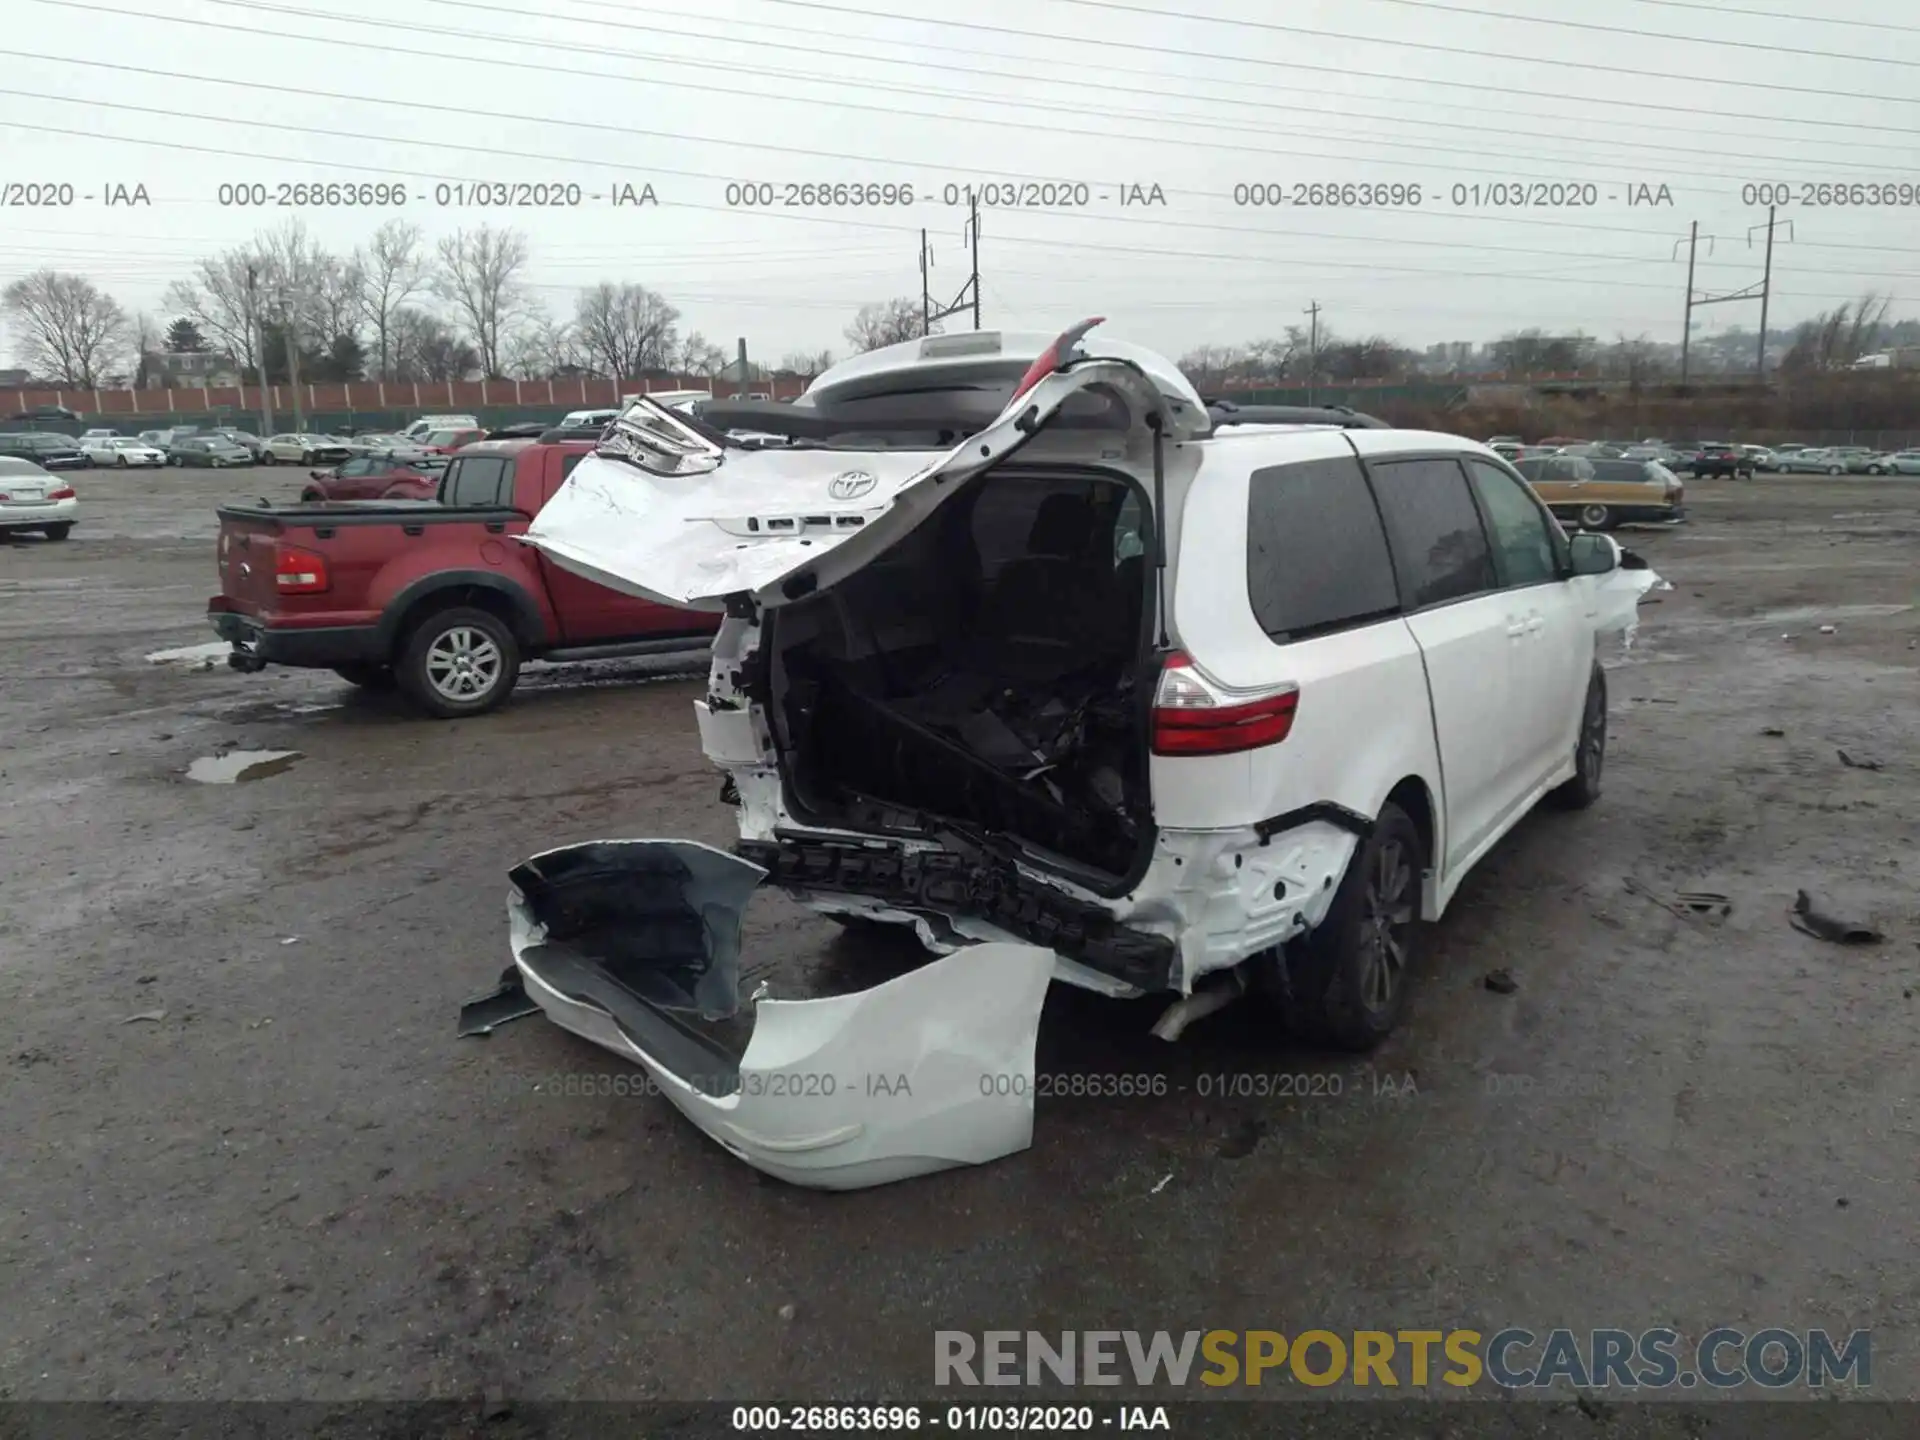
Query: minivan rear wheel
x=1346, y=982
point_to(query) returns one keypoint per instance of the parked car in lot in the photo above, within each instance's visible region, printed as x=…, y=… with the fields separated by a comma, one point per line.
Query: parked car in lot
x=35, y=500
x=1868, y=462
x=48, y=412
x=428, y=423
x=1759, y=457
x=1818, y=461
x=446, y=442
x=432, y=595
x=581, y=419
x=212, y=452
x=293, y=449
x=1900, y=462
x=122, y=452
x=1600, y=494
x=1263, y=763
x=368, y=477
x=1720, y=458
x=87, y=435
x=48, y=451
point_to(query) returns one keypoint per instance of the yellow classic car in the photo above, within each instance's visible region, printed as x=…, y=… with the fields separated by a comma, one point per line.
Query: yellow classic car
x=1600, y=494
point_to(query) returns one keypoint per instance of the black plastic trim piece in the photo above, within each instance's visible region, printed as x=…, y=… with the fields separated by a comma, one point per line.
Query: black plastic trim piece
x=981, y=886
x=1319, y=810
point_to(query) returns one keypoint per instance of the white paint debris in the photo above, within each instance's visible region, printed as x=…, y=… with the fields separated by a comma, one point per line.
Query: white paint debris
x=238, y=765
x=199, y=657
x=1163, y=1183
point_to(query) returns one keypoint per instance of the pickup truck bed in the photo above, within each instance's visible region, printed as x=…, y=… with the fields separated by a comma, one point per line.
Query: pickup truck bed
x=437, y=597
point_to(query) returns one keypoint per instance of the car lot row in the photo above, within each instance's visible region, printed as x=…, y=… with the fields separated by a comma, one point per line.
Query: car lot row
x=1720, y=457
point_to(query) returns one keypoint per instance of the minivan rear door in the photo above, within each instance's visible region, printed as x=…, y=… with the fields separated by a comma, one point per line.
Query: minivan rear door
x=781, y=524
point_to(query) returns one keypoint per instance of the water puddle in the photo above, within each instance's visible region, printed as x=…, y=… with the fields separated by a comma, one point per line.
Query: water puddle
x=238, y=765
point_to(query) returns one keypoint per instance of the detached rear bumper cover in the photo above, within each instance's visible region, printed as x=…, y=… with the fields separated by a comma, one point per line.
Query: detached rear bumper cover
x=635, y=945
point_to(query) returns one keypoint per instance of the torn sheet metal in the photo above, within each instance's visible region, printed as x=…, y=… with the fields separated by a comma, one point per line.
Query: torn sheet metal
x=635, y=946
x=761, y=518
x=1613, y=599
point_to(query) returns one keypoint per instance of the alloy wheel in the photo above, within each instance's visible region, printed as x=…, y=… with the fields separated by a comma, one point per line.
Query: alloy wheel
x=1386, y=919
x=463, y=664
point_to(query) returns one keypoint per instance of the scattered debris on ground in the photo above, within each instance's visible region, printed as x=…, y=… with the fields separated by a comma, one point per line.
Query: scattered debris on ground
x=151, y=1016
x=1501, y=982
x=1814, y=915
x=1856, y=764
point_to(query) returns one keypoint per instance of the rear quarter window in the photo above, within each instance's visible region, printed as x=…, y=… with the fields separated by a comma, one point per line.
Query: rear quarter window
x=480, y=481
x=1317, y=556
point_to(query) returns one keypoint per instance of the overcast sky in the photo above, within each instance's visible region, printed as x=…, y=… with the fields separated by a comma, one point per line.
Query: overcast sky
x=1703, y=98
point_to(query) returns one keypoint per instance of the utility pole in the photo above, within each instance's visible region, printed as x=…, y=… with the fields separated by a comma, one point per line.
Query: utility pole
x=257, y=340
x=969, y=296
x=973, y=228
x=1766, y=293
x=1313, y=351
x=926, y=299
x=293, y=366
x=1686, y=333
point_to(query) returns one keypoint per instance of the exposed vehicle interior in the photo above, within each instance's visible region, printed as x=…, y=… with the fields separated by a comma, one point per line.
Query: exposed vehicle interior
x=981, y=676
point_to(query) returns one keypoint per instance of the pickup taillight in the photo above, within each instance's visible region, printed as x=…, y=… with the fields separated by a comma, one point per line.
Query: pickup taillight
x=299, y=572
x=1192, y=717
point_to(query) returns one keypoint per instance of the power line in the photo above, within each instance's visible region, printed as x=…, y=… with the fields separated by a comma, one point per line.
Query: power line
x=1082, y=247
x=497, y=152
x=1158, y=93
x=1290, y=154
x=1720, y=11
x=1501, y=92
x=1429, y=6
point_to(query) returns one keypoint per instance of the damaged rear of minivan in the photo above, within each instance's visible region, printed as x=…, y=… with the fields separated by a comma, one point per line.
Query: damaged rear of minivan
x=932, y=695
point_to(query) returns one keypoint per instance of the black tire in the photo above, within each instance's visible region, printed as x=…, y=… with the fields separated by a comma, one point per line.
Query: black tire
x=311, y=497
x=1346, y=982
x=1589, y=749
x=59, y=532
x=1836, y=469
x=1595, y=517
x=120, y=462
x=267, y=458
x=432, y=649
x=367, y=677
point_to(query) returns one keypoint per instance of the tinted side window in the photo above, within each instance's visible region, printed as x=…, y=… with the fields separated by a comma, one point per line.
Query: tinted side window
x=1439, y=546
x=1316, y=555
x=1519, y=526
x=476, y=480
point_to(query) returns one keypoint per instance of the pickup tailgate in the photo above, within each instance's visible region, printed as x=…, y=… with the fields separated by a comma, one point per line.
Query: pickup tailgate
x=246, y=562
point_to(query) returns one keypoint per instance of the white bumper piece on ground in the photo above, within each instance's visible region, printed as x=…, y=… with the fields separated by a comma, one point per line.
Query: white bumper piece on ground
x=634, y=945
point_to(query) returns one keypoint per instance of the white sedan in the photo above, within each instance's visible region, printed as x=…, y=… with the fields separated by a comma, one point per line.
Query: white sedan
x=122, y=451
x=33, y=499
x=301, y=449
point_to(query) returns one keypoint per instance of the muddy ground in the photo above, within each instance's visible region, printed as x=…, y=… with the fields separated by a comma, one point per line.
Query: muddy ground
x=244, y=1155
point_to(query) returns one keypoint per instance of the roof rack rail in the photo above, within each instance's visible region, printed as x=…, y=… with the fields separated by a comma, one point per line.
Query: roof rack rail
x=555, y=434
x=1226, y=412
x=520, y=430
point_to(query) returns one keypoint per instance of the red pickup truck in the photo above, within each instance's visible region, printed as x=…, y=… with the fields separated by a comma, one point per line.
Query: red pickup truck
x=434, y=596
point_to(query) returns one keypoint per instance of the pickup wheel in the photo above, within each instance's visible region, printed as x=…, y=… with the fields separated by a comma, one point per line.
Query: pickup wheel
x=459, y=662
x=1345, y=984
x=1589, y=749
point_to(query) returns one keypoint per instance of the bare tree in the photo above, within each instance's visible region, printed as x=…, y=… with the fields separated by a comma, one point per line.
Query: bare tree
x=392, y=272
x=67, y=328
x=886, y=322
x=226, y=298
x=806, y=364
x=479, y=275
x=542, y=347
x=626, y=329
x=425, y=347
x=1869, y=315
x=699, y=356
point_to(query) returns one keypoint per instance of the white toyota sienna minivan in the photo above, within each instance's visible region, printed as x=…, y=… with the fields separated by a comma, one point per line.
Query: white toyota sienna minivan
x=1031, y=650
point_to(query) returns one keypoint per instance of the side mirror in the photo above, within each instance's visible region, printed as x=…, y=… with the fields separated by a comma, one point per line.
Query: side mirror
x=1594, y=554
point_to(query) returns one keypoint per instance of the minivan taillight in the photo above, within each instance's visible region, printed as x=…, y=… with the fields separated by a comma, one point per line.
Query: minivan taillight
x=299, y=572
x=1191, y=717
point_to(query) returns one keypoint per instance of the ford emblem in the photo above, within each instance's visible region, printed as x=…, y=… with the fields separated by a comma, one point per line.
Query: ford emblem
x=851, y=484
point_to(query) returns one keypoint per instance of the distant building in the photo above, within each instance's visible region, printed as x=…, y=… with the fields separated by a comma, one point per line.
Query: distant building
x=15, y=379
x=180, y=370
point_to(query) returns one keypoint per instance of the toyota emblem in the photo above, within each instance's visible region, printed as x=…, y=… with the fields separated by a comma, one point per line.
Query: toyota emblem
x=851, y=484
